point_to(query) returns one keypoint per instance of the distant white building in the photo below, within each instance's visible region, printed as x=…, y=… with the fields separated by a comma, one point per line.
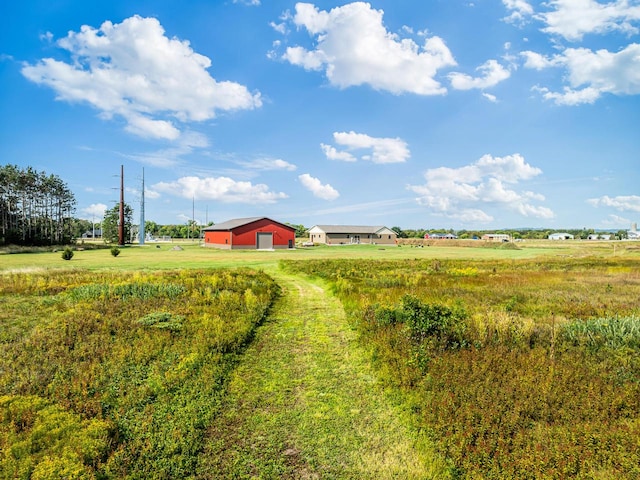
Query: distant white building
x=496, y=237
x=561, y=236
x=633, y=234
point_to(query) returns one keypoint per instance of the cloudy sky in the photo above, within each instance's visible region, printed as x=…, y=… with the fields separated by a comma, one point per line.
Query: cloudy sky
x=419, y=114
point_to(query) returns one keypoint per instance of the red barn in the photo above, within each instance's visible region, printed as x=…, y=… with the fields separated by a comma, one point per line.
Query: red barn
x=259, y=233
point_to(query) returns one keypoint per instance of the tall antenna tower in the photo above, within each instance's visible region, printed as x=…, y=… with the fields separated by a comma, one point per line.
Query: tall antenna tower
x=141, y=233
x=121, y=224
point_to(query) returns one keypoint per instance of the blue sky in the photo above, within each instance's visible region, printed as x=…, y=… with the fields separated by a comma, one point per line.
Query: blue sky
x=419, y=114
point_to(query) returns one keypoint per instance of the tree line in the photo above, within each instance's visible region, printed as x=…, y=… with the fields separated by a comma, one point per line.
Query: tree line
x=35, y=208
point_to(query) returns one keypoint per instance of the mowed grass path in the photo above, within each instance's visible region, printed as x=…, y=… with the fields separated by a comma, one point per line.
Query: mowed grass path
x=304, y=403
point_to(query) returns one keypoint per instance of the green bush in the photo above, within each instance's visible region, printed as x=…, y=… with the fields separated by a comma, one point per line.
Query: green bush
x=162, y=321
x=444, y=325
x=115, y=251
x=67, y=254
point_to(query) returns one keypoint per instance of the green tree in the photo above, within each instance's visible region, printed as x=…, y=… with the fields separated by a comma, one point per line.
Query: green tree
x=111, y=221
x=80, y=226
x=35, y=208
x=301, y=230
x=151, y=227
x=399, y=232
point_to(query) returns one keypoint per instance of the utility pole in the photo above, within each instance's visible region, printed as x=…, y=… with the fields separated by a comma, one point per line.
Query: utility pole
x=121, y=225
x=141, y=233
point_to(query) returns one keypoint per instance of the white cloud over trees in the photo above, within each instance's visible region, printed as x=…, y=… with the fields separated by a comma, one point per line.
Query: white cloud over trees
x=95, y=211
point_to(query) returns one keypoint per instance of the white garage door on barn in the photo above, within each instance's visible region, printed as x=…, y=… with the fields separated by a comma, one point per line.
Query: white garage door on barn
x=264, y=241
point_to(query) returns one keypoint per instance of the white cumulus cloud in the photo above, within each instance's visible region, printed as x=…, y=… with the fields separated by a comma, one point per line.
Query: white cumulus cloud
x=519, y=11
x=491, y=73
x=353, y=47
x=134, y=71
x=332, y=153
x=572, y=19
x=590, y=74
x=269, y=164
x=95, y=211
x=315, y=186
x=622, y=203
x=222, y=189
x=380, y=150
x=457, y=192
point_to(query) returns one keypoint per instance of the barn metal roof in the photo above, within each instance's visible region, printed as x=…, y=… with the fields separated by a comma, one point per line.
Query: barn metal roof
x=355, y=229
x=239, y=222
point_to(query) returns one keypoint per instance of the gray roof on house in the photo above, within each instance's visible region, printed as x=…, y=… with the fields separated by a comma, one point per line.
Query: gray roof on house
x=239, y=222
x=357, y=229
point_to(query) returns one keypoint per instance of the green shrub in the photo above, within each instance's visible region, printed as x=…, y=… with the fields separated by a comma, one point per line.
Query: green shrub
x=67, y=254
x=115, y=251
x=162, y=321
x=445, y=325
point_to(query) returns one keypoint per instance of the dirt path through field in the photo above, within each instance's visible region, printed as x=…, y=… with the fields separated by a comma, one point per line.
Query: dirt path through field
x=304, y=403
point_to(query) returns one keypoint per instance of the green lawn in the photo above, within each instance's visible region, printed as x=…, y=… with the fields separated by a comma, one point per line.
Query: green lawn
x=162, y=256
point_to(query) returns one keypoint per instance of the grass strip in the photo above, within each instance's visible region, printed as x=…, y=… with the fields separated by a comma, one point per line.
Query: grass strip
x=304, y=403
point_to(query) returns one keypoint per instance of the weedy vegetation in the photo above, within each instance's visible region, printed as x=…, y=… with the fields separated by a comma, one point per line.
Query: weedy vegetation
x=517, y=369
x=118, y=375
x=521, y=363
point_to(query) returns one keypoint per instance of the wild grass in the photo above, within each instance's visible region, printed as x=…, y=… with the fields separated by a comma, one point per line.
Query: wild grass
x=519, y=369
x=118, y=375
x=515, y=363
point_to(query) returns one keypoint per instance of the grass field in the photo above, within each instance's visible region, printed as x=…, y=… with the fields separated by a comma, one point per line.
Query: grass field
x=448, y=360
x=162, y=256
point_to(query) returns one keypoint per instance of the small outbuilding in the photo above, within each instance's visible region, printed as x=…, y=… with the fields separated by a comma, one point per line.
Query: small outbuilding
x=255, y=233
x=599, y=236
x=561, y=236
x=352, y=235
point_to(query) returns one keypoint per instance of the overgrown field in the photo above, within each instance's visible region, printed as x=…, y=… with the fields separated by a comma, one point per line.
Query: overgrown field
x=118, y=375
x=523, y=369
